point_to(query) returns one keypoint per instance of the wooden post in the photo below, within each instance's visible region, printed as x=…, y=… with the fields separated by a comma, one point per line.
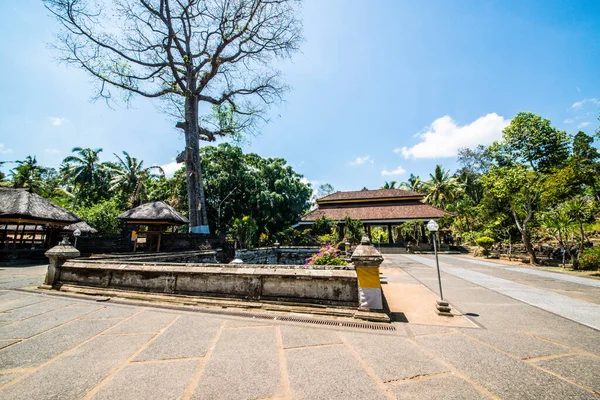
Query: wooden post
x=390, y=235
x=158, y=245
x=33, y=236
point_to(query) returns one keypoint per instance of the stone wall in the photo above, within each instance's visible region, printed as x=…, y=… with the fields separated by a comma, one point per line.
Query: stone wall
x=200, y=256
x=277, y=255
x=329, y=287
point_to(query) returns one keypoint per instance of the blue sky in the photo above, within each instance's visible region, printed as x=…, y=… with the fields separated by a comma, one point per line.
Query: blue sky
x=381, y=88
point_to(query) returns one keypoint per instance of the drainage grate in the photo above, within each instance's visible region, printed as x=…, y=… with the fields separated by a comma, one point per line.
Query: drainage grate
x=345, y=324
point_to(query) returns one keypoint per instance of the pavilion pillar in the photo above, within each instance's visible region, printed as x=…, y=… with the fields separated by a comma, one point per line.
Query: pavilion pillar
x=369, y=232
x=390, y=235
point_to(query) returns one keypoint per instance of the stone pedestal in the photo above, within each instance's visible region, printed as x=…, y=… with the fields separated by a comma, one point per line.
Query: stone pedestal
x=58, y=255
x=367, y=260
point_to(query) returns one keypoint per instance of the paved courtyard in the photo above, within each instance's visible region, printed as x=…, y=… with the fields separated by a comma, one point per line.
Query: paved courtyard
x=529, y=334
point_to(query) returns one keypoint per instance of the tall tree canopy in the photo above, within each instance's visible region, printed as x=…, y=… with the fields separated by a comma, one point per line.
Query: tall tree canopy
x=216, y=53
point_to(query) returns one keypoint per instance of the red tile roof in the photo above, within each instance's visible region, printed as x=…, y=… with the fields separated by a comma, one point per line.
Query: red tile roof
x=370, y=194
x=397, y=211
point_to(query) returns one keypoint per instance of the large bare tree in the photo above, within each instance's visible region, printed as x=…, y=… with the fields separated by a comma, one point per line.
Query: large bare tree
x=212, y=60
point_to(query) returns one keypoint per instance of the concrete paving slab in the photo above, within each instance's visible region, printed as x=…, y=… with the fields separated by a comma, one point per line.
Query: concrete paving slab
x=247, y=322
x=18, y=301
x=34, y=309
x=582, y=369
x=299, y=336
x=112, y=311
x=42, y=348
x=146, y=321
x=499, y=373
x=5, y=378
x=5, y=343
x=243, y=365
x=188, y=337
x=393, y=358
x=149, y=381
x=577, y=339
x=418, y=330
x=72, y=376
x=40, y=323
x=329, y=373
x=444, y=388
x=518, y=344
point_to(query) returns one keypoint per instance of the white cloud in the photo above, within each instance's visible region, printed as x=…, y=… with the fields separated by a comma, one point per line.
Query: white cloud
x=579, y=104
x=444, y=137
x=57, y=121
x=583, y=125
x=51, y=151
x=570, y=120
x=398, y=171
x=306, y=181
x=171, y=168
x=4, y=150
x=361, y=160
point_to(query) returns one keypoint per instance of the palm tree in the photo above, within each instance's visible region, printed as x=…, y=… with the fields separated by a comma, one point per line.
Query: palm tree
x=130, y=177
x=413, y=184
x=579, y=209
x=389, y=185
x=441, y=188
x=560, y=225
x=82, y=170
x=28, y=174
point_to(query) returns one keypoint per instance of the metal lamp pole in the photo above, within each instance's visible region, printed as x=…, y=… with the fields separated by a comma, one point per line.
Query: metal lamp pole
x=442, y=306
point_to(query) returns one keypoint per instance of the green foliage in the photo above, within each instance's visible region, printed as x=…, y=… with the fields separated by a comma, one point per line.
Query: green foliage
x=326, y=239
x=328, y=255
x=441, y=189
x=485, y=242
x=354, y=230
x=322, y=226
x=412, y=231
x=102, y=216
x=379, y=234
x=243, y=230
x=590, y=258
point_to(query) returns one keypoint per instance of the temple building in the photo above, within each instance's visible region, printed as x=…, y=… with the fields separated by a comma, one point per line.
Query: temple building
x=384, y=207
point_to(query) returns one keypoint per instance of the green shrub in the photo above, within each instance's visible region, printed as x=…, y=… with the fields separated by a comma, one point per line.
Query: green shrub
x=327, y=256
x=102, y=216
x=244, y=231
x=326, y=239
x=590, y=258
x=485, y=242
x=354, y=230
x=322, y=226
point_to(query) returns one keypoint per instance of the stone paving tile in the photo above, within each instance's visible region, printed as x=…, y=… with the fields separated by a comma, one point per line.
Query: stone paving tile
x=33, y=310
x=581, y=369
x=576, y=336
x=329, y=373
x=149, y=381
x=112, y=312
x=188, y=337
x=4, y=343
x=146, y=321
x=243, y=365
x=5, y=378
x=393, y=358
x=73, y=375
x=44, y=347
x=299, y=336
x=499, y=373
x=418, y=330
x=19, y=301
x=518, y=344
x=40, y=323
x=443, y=388
x=247, y=322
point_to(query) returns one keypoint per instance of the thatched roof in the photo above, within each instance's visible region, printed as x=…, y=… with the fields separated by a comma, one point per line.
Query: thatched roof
x=21, y=206
x=373, y=195
x=155, y=212
x=82, y=226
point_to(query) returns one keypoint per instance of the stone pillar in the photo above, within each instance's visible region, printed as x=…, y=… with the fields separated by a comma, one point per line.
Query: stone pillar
x=367, y=260
x=58, y=255
x=390, y=235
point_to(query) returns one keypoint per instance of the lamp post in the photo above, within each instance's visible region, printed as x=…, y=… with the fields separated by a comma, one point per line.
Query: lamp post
x=442, y=306
x=76, y=233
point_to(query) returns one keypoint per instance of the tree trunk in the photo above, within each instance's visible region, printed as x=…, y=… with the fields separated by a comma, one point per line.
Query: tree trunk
x=528, y=246
x=195, y=187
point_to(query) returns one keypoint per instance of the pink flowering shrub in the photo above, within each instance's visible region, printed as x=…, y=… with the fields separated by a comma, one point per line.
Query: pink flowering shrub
x=328, y=255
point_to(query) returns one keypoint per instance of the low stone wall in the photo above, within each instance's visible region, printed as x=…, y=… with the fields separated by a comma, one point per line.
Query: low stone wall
x=277, y=255
x=330, y=287
x=201, y=256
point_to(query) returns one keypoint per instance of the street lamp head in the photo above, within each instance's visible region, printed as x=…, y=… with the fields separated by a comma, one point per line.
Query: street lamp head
x=432, y=226
x=76, y=233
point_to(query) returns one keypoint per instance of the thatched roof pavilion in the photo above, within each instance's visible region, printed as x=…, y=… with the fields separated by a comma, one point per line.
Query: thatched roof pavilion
x=153, y=213
x=83, y=227
x=23, y=207
x=157, y=214
x=20, y=214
